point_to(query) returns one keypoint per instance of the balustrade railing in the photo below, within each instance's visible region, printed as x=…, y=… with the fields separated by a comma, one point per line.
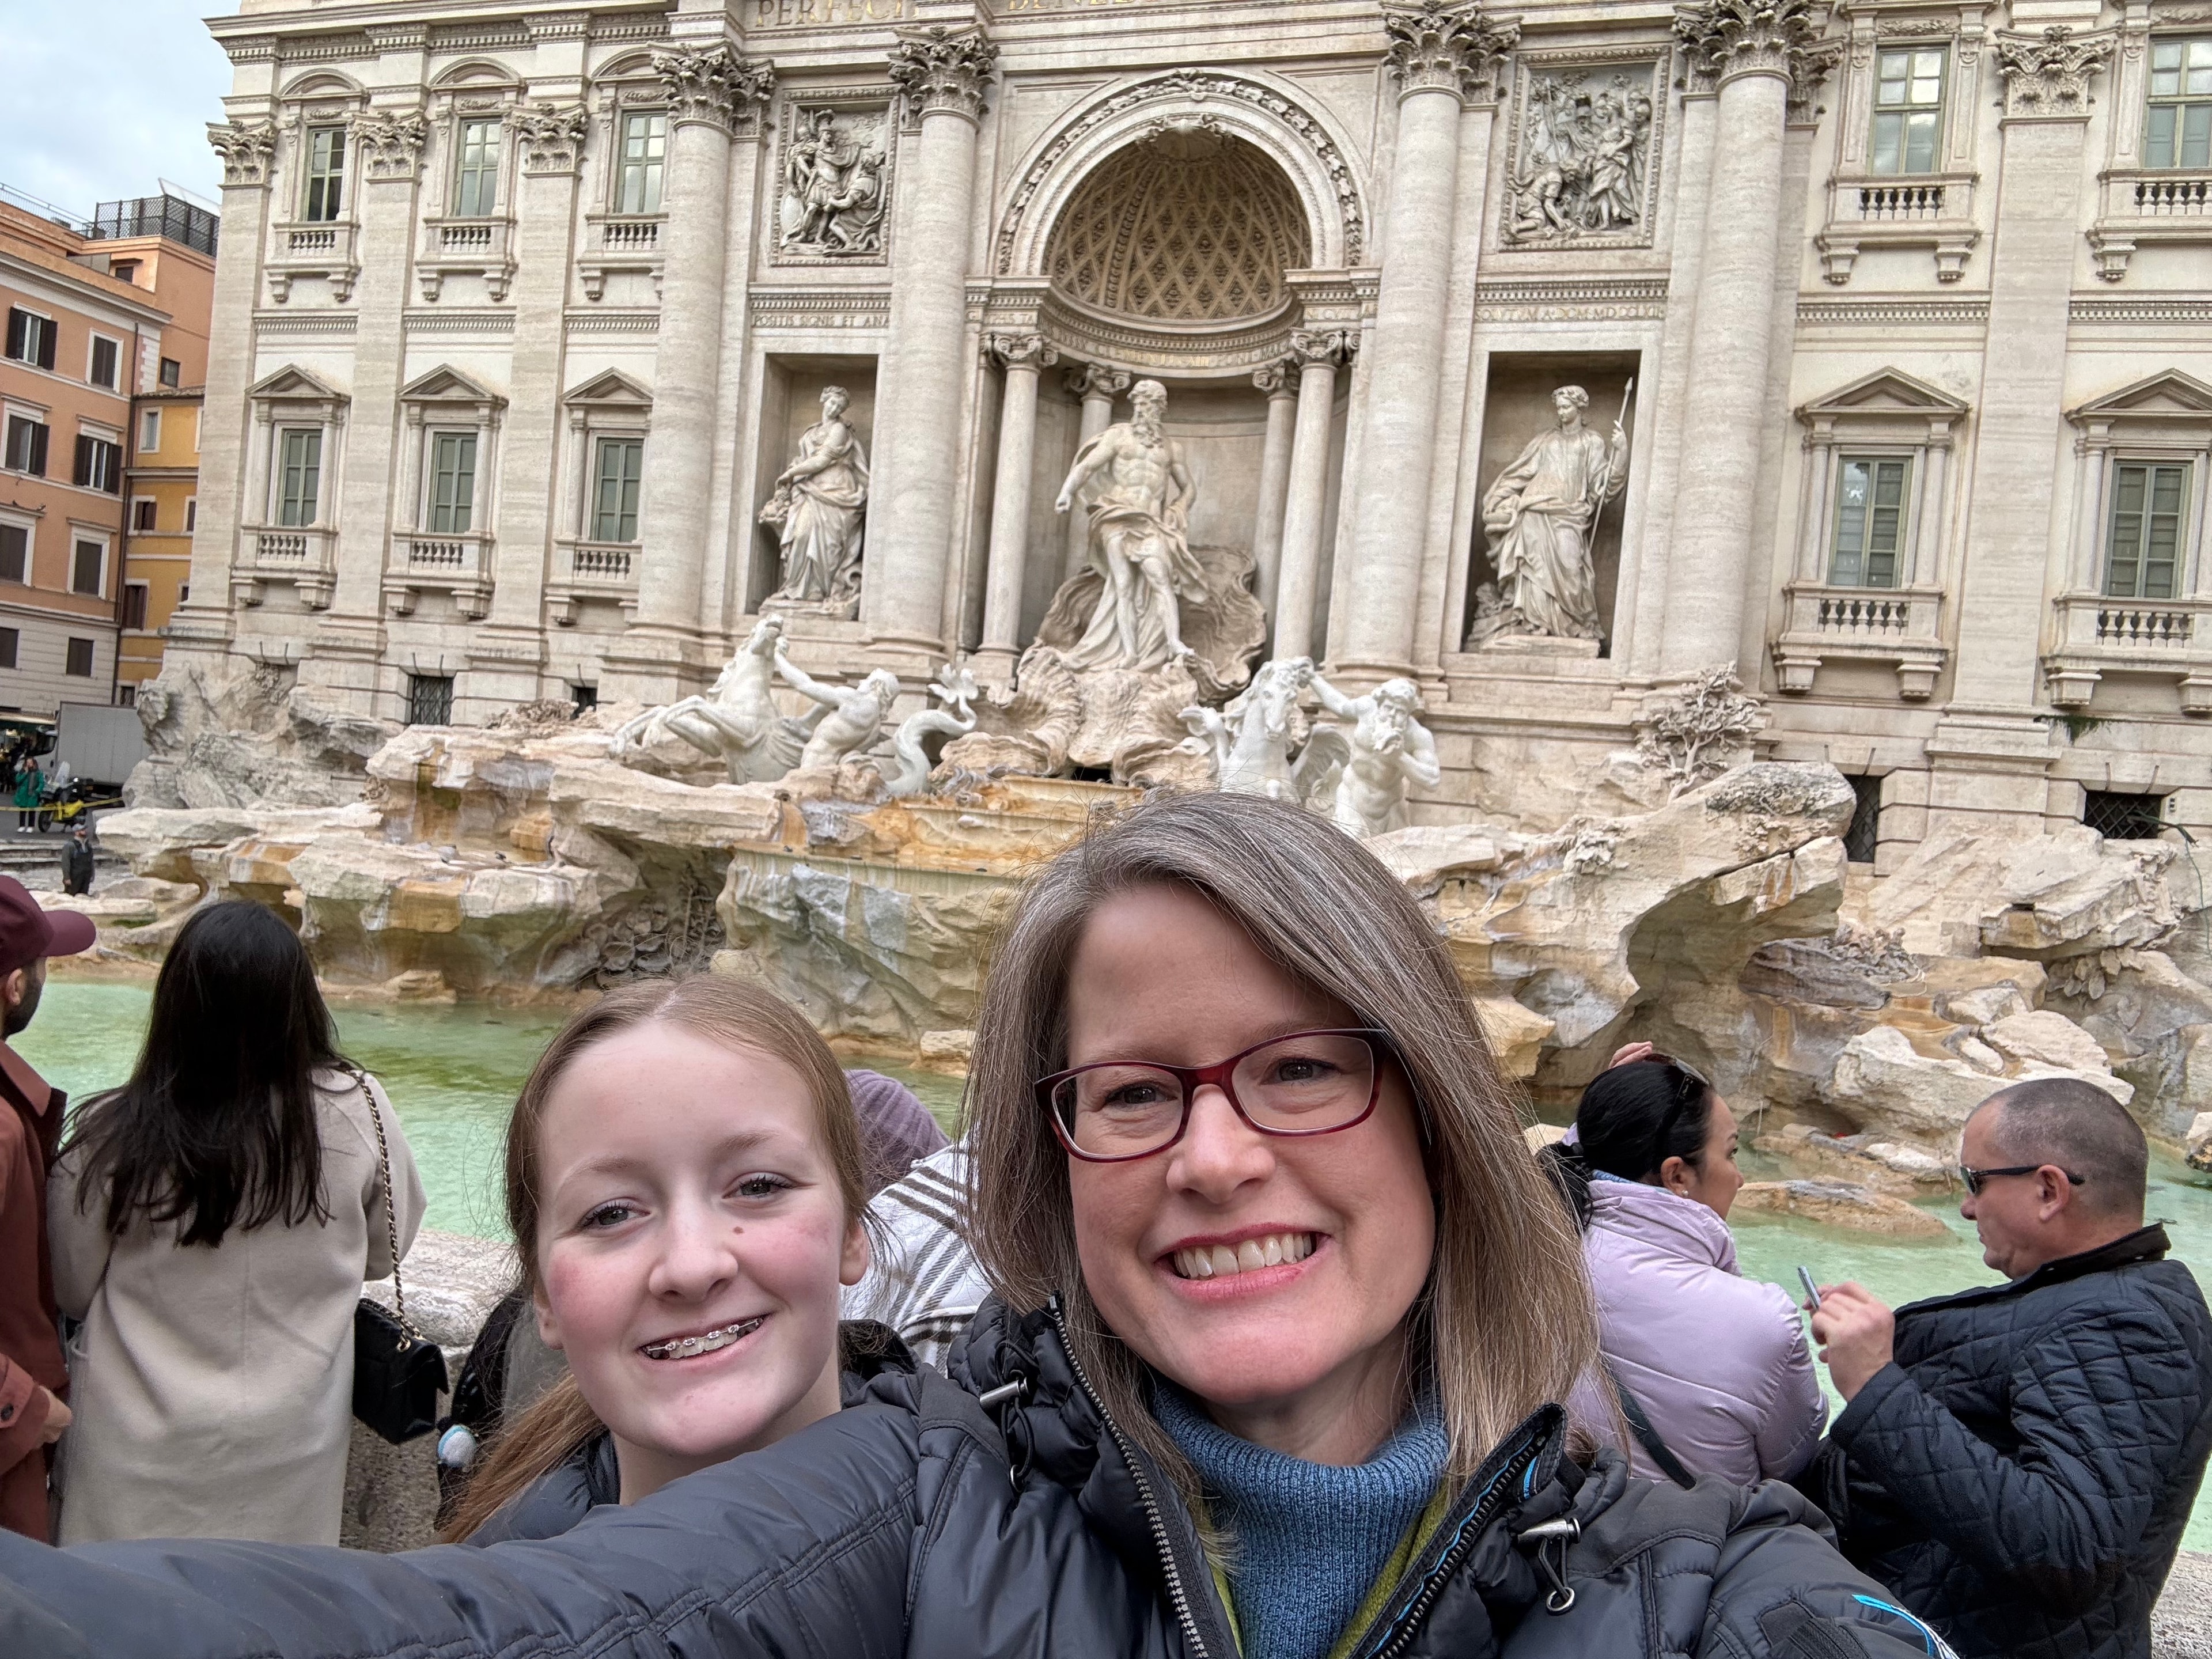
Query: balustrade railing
x=1866, y=616
x=630, y=235
x=2173, y=197
x=465, y=238
x=280, y=544
x=1889, y=203
x=2150, y=627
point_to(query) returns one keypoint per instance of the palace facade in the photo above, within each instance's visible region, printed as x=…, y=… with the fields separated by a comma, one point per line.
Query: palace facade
x=1902, y=307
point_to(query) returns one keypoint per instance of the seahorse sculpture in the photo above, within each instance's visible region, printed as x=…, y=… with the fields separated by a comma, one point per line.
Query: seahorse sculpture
x=908, y=775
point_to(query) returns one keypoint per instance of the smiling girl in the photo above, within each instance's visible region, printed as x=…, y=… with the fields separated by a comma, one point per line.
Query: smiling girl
x=685, y=1187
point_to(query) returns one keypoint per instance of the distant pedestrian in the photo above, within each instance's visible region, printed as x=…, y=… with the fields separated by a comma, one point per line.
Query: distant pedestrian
x=34, y=1383
x=896, y=1130
x=2018, y=1461
x=30, y=790
x=212, y=1222
x=76, y=861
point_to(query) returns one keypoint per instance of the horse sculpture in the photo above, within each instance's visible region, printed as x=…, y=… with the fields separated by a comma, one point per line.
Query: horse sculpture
x=736, y=722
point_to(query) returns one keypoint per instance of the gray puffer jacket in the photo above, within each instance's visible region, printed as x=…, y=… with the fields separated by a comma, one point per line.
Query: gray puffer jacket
x=903, y=1526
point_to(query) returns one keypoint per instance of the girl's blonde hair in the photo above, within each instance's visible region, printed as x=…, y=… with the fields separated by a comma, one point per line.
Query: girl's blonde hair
x=733, y=1013
x=1504, y=1323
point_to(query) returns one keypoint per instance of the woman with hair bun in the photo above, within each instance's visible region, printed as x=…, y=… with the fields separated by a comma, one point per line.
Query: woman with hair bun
x=1709, y=1369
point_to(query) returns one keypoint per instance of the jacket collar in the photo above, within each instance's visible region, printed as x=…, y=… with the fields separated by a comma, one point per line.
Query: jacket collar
x=1656, y=1217
x=24, y=1086
x=2144, y=1244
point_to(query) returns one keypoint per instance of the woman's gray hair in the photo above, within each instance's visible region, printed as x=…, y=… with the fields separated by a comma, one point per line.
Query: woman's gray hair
x=1505, y=1323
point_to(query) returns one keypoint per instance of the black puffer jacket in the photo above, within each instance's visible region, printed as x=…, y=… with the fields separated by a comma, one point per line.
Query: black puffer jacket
x=893, y=1529
x=2021, y=1475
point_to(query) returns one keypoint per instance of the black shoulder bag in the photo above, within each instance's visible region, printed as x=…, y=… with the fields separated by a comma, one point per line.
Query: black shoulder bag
x=1646, y=1436
x=397, y=1373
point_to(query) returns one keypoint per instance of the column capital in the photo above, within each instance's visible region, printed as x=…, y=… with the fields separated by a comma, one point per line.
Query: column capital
x=390, y=143
x=2047, y=76
x=1446, y=46
x=712, y=86
x=1809, y=69
x=1030, y=351
x=943, y=69
x=1092, y=380
x=550, y=136
x=1726, y=39
x=1278, y=379
x=246, y=149
x=1333, y=347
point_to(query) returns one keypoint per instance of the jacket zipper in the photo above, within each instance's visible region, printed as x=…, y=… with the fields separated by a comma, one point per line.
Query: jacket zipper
x=1400, y=1635
x=1176, y=1594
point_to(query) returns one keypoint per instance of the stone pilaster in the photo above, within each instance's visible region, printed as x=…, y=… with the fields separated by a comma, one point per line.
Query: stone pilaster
x=1753, y=51
x=1318, y=357
x=1024, y=357
x=1444, y=55
x=508, y=654
x=1096, y=388
x=202, y=623
x=712, y=92
x=1989, y=755
x=1280, y=382
x=943, y=74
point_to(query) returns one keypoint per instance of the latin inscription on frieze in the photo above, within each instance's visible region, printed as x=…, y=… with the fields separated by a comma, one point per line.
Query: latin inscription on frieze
x=820, y=13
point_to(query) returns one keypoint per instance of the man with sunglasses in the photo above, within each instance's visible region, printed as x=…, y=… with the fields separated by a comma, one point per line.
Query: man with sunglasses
x=2017, y=1462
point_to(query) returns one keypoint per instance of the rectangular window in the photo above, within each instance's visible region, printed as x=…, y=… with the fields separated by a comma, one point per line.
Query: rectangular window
x=299, y=474
x=149, y=431
x=123, y=271
x=78, y=658
x=1862, y=836
x=30, y=337
x=452, y=480
x=26, y=445
x=2178, y=122
x=2147, y=504
x=87, y=565
x=429, y=699
x=15, y=553
x=10, y=639
x=99, y=465
x=2118, y=816
x=584, y=697
x=614, y=511
x=126, y=696
x=145, y=513
x=644, y=151
x=1869, y=521
x=326, y=172
x=191, y=513
x=1908, y=109
x=106, y=355
x=172, y=372
x=476, y=188
x=134, y=605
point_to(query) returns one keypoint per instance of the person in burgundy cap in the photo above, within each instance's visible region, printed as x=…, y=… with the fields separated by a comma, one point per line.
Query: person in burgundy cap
x=34, y=1382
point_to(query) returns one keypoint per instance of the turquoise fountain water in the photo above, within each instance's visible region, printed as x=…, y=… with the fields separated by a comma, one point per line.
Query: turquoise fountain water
x=453, y=1074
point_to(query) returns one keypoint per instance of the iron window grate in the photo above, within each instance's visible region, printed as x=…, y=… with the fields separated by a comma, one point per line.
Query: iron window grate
x=2118, y=816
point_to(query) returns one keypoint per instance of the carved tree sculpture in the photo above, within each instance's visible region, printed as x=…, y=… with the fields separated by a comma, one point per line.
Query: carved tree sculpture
x=1692, y=737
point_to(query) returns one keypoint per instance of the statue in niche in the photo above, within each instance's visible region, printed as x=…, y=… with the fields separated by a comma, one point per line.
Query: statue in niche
x=833, y=192
x=818, y=511
x=1389, y=748
x=1538, y=516
x=1582, y=159
x=1133, y=482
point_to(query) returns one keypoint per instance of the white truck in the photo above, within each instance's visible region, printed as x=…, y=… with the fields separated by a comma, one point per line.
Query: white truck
x=100, y=742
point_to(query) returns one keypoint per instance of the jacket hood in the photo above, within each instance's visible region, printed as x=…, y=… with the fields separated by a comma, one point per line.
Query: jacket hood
x=1667, y=1220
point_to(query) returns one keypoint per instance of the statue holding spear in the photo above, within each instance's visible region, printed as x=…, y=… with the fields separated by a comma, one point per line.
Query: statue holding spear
x=1538, y=514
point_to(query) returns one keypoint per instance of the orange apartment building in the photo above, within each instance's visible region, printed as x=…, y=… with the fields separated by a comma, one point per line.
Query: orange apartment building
x=80, y=344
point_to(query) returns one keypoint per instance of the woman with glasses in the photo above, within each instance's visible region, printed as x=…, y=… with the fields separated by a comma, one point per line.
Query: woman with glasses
x=1710, y=1370
x=1284, y=1312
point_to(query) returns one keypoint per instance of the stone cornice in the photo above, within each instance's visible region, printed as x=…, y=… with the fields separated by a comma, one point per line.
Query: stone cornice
x=551, y=137
x=1446, y=46
x=1726, y=39
x=391, y=144
x=714, y=86
x=246, y=150
x=2047, y=76
x=944, y=71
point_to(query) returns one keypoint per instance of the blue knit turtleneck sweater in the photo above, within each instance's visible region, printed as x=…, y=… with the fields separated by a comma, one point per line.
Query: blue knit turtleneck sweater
x=1311, y=1538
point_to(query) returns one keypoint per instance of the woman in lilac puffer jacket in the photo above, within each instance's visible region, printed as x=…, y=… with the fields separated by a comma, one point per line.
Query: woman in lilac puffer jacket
x=1714, y=1363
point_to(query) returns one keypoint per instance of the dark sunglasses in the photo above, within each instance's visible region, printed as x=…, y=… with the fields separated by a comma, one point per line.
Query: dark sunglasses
x=1974, y=1178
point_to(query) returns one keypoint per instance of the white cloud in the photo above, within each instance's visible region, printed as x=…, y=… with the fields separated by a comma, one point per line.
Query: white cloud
x=104, y=97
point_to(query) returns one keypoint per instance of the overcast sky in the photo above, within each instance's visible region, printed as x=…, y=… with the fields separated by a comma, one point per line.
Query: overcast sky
x=104, y=97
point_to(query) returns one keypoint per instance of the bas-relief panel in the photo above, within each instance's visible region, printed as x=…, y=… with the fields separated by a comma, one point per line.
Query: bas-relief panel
x=1584, y=138
x=834, y=164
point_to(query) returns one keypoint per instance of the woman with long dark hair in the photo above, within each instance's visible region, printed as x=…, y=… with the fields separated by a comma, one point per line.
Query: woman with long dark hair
x=212, y=1221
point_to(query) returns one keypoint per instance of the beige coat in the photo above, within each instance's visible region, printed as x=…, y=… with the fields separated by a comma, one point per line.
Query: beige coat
x=213, y=1388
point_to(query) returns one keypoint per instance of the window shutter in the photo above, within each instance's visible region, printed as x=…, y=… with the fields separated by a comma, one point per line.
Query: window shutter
x=38, y=451
x=46, y=332
x=19, y=323
x=15, y=553
x=82, y=475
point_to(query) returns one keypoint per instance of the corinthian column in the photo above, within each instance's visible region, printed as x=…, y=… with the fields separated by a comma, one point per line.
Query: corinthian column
x=1025, y=357
x=1443, y=54
x=1281, y=386
x=713, y=92
x=944, y=73
x=1317, y=356
x=1752, y=49
x=202, y=623
x=1098, y=388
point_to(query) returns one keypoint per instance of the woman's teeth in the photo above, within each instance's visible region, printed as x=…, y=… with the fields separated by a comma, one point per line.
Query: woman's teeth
x=690, y=1347
x=1222, y=1260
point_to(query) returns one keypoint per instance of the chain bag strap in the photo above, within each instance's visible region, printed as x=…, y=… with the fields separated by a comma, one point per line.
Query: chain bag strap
x=398, y=1373
x=391, y=1210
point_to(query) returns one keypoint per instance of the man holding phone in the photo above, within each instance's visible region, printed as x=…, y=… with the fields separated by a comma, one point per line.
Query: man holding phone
x=2017, y=1462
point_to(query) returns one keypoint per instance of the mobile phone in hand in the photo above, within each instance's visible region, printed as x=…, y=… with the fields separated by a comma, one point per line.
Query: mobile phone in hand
x=1812, y=1290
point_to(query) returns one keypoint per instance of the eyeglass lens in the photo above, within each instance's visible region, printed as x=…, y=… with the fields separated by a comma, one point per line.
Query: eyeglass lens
x=1300, y=1084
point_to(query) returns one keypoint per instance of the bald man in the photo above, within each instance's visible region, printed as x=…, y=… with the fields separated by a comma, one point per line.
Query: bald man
x=2017, y=1462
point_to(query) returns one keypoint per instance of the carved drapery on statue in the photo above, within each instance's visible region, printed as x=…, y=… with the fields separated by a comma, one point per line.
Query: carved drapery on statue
x=818, y=511
x=1539, y=515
